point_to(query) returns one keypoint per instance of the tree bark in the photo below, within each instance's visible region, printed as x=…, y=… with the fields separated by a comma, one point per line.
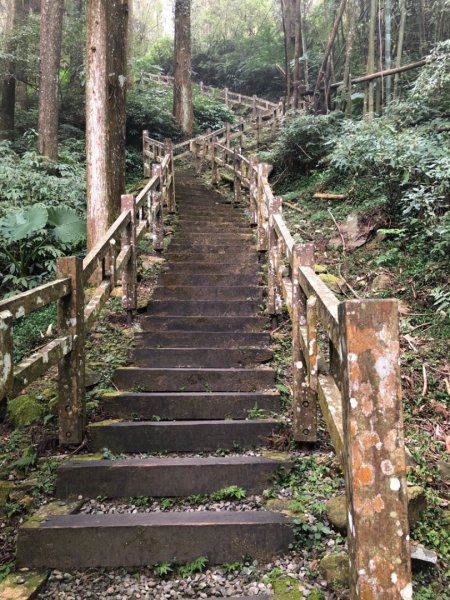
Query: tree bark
x=50, y=59
x=370, y=107
x=298, y=52
x=100, y=211
x=117, y=95
x=15, y=13
x=346, y=101
x=388, y=47
x=328, y=50
x=182, y=94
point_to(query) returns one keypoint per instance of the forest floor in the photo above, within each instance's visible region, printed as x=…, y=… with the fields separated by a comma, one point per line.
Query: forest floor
x=30, y=456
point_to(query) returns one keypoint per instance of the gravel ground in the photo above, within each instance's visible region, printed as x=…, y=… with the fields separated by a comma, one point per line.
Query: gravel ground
x=96, y=507
x=250, y=580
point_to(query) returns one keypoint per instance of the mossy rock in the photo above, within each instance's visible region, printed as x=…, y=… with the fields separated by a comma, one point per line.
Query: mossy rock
x=6, y=487
x=337, y=512
x=48, y=394
x=24, y=411
x=334, y=568
x=334, y=283
x=22, y=586
x=286, y=588
x=320, y=269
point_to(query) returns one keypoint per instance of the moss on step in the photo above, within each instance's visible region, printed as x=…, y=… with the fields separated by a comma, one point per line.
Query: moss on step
x=105, y=423
x=22, y=585
x=54, y=509
x=286, y=588
x=24, y=410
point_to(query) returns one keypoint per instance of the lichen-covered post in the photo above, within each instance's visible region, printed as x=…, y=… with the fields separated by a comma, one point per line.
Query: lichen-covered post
x=6, y=355
x=228, y=135
x=171, y=202
x=225, y=96
x=253, y=178
x=304, y=398
x=214, y=165
x=158, y=212
x=242, y=133
x=129, y=277
x=258, y=129
x=374, y=451
x=262, y=214
x=71, y=369
x=275, y=301
x=255, y=106
x=144, y=150
x=237, y=176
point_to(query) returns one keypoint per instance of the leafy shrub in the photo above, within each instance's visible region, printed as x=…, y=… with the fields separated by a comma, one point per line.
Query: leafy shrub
x=150, y=107
x=211, y=114
x=304, y=141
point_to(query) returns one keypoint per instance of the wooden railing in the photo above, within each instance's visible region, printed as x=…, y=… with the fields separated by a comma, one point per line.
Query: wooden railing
x=345, y=360
x=111, y=260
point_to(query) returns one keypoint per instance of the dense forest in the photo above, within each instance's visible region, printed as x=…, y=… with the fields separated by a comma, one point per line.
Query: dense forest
x=361, y=160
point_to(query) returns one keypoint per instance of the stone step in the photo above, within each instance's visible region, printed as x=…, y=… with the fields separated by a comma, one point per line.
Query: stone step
x=205, y=225
x=143, y=539
x=202, y=339
x=209, y=358
x=184, y=292
x=208, y=279
x=190, y=308
x=179, y=436
x=194, y=380
x=164, y=477
x=212, y=237
x=246, y=268
x=244, y=262
x=182, y=406
x=196, y=323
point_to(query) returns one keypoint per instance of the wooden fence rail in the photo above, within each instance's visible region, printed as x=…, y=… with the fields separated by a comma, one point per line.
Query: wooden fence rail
x=113, y=259
x=345, y=360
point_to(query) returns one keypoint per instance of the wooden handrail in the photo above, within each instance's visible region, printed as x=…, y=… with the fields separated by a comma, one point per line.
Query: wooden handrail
x=43, y=295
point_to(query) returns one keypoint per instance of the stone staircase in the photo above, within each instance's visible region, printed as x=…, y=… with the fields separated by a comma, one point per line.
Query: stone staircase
x=199, y=369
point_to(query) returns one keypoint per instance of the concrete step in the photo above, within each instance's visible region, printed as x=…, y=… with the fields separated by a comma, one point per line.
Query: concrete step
x=208, y=279
x=190, y=308
x=133, y=540
x=196, y=323
x=184, y=292
x=209, y=358
x=179, y=436
x=202, y=339
x=207, y=237
x=194, y=380
x=164, y=477
x=185, y=406
x=197, y=268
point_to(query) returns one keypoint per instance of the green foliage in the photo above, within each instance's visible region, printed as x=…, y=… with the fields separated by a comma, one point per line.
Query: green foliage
x=26, y=461
x=150, y=107
x=232, y=492
x=211, y=114
x=163, y=569
x=232, y=567
x=23, y=411
x=29, y=331
x=196, y=566
x=32, y=239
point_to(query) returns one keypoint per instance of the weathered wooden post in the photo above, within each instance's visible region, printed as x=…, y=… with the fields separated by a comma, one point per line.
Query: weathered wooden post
x=171, y=199
x=253, y=178
x=237, y=176
x=158, y=212
x=242, y=131
x=255, y=106
x=374, y=452
x=6, y=354
x=275, y=301
x=71, y=368
x=201, y=87
x=258, y=129
x=129, y=277
x=304, y=397
x=145, y=135
x=226, y=96
x=262, y=210
x=214, y=165
x=228, y=135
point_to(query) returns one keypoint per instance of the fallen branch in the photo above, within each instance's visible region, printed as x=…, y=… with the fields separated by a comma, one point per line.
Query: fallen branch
x=425, y=380
x=344, y=247
x=292, y=206
x=331, y=196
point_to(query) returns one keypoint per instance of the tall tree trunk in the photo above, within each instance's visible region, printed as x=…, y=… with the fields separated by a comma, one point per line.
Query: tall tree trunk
x=76, y=55
x=304, y=48
x=182, y=96
x=401, y=38
x=298, y=52
x=388, y=47
x=50, y=59
x=117, y=93
x=14, y=15
x=371, y=58
x=100, y=211
x=287, y=62
x=328, y=50
x=346, y=101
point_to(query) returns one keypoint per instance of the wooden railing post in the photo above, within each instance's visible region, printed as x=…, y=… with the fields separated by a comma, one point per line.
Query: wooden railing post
x=158, y=212
x=129, y=277
x=242, y=131
x=6, y=355
x=214, y=165
x=237, y=176
x=255, y=106
x=258, y=129
x=262, y=209
x=201, y=87
x=71, y=368
x=304, y=397
x=228, y=135
x=253, y=178
x=145, y=135
x=374, y=452
x=275, y=301
x=171, y=202
x=226, y=96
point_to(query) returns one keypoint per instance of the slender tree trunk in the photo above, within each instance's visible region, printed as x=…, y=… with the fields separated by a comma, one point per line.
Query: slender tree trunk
x=346, y=101
x=100, y=211
x=76, y=58
x=388, y=46
x=182, y=96
x=401, y=38
x=298, y=52
x=304, y=48
x=117, y=93
x=14, y=15
x=328, y=49
x=50, y=59
x=287, y=61
x=371, y=58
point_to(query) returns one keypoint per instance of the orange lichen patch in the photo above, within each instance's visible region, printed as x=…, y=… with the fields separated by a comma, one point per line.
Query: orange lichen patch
x=366, y=590
x=370, y=439
x=354, y=427
x=378, y=504
x=365, y=475
x=367, y=407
